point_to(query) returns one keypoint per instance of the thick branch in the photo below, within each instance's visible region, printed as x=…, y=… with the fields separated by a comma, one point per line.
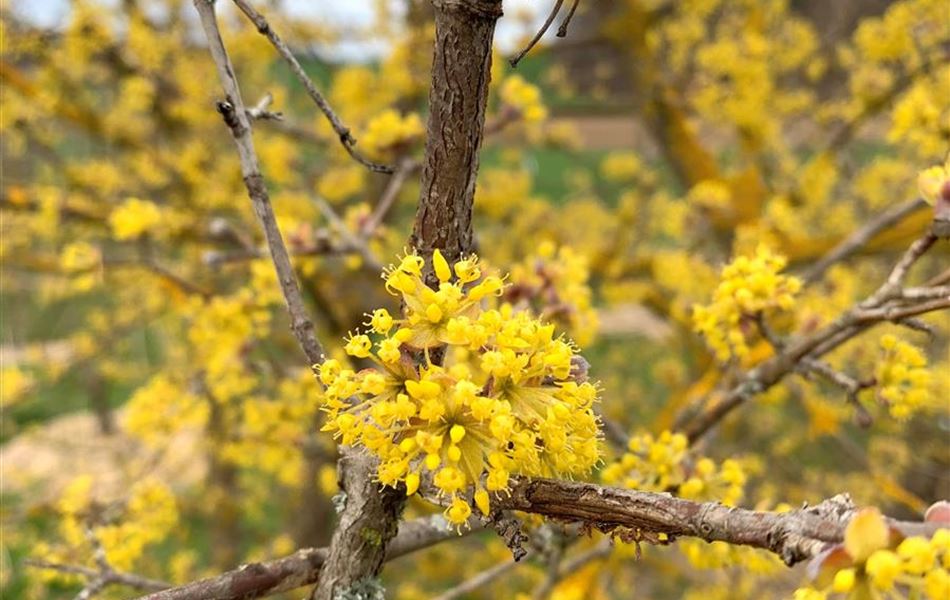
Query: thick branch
x=301, y=568
x=795, y=535
x=236, y=118
x=461, y=71
x=367, y=523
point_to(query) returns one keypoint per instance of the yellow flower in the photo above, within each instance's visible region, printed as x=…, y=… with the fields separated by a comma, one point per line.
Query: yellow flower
x=133, y=218
x=523, y=97
x=917, y=554
x=866, y=533
x=903, y=378
x=843, y=581
x=620, y=166
x=929, y=181
x=389, y=128
x=339, y=183
x=883, y=567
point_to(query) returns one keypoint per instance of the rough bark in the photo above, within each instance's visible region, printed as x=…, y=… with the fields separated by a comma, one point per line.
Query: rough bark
x=461, y=71
x=794, y=535
x=368, y=521
x=303, y=567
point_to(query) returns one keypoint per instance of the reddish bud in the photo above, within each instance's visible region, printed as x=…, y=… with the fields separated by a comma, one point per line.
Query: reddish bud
x=939, y=512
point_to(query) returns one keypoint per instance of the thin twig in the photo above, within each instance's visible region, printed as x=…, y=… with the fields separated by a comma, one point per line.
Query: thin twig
x=259, y=110
x=849, y=384
x=861, y=237
x=480, y=580
x=112, y=577
x=160, y=271
x=350, y=239
x=562, y=30
x=346, y=138
x=925, y=293
x=537, y=37
x=404, y=168
x=939, y=279
x=235, y=116
x=891, y=287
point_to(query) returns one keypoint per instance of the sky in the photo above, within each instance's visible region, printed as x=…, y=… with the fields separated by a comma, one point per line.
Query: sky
x=50, y=13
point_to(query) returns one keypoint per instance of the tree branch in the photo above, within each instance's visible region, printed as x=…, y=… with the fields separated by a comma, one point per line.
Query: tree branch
x=110, y=577
x=368, y=522
x=346, y=138
x=544, y=28
x=794, y=536
x=303, y=567
x=877, y=308
x=481, y=579
x=457, y=99
x=862, y=236
x=235, y=116
x=461, y=71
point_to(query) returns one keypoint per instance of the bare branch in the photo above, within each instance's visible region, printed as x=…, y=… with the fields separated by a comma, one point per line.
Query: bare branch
x=794, y=536
x=235, y=116
x=351, y=240
x=404, y=168
x=862, y=236
x=562, y=30
x=303, y=567
x=458, y=96
x=602, y=549
x=900, y=271
x=849, y=384
x=259, y=110
x=544, y=28
x=480, y=580
x=161, y=272
x=111, y=576
x=346, y=138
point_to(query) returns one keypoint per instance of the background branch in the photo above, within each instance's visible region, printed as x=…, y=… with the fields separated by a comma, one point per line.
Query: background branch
x=235, y=116
x=346, y=138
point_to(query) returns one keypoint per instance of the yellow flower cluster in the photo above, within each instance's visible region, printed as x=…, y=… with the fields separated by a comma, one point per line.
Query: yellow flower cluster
x=621, y=166
x=902, y=377
x=80, y=260
x=133, y=218
x=388, y=129
x=710, y=194
x=148, y=516
x=339, y=183
x=502, y=400
x=664, y=464
x=161, y=407
x=523, y=97
x=916, y=568
x=554, y=284
x=748, y=286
